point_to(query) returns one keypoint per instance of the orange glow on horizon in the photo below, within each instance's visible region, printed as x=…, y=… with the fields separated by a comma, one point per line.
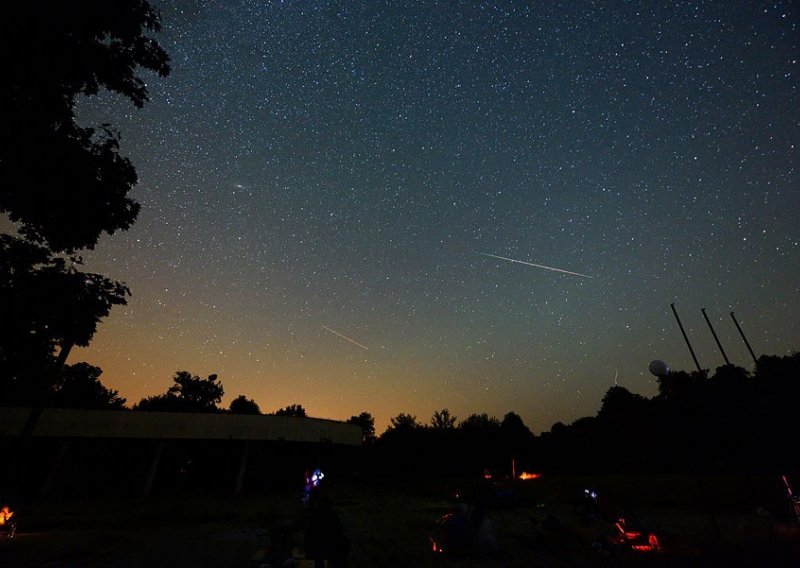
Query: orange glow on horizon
x=526, y=476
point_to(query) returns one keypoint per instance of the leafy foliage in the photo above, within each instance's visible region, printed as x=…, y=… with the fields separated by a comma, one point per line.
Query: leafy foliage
x=620, y=402
x=404, y=422
x=516, y=435
x=731, y=420
x=442, y=419
x=243, y=405
x=47, y=303
x=61, y=183
x=79, y=386
x=482, y=423
x=190, y=393
x=295, y=410
x=65, y=184
x=367, y=423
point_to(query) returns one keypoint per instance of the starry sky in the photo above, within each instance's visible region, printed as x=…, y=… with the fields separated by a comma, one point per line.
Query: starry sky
x=323, y=183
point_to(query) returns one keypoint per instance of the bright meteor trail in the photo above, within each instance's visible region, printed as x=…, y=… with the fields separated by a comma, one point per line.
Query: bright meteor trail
x=536, y=265
x=353, y=341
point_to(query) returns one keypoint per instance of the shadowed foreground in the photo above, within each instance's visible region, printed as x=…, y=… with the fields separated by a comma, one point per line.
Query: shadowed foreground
x=388, y=524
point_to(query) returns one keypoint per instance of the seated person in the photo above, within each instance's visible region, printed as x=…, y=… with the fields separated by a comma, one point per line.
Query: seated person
x=456, y=531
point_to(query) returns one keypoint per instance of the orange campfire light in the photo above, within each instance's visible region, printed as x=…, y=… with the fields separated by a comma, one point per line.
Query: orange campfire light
x=526, y=476
x=651, y=545
x=5, y=515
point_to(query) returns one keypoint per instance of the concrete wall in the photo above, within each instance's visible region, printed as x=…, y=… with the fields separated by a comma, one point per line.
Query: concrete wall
x=74, y=423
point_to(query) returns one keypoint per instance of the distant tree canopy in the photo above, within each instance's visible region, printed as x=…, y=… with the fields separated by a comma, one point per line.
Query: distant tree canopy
x=79, y=386
x=190, y=393
x=442, y=419
x=367, y=424
x=295, y=410
x=243, y=405
x=64, y=184
x=620, y=402
x=442, y=448
x=480, y=423
x=680, y=385
x=404, y=422
x=516, y=435
x=731, y=420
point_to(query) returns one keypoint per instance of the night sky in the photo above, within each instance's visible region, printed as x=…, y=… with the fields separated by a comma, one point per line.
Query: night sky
x=323, y=183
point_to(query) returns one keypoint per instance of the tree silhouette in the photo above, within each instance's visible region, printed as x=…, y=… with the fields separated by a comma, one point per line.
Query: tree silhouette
x=64, y=184
x=443, y=420
x=516, y=435
x=47, y=305
x=79, y=386
x=190, y=393
x=367, y=423
x=680, y=385
x=733, y=420
x=404, y=422
x=295, y=410
x=243, y=405
x=620, y=403
x=482, y=423
x=774, y=368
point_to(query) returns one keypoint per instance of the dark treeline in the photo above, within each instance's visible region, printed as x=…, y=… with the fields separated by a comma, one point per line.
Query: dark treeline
x=734, y=420
x=446, y=447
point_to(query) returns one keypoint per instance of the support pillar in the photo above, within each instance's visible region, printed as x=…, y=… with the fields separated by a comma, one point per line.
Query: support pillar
x=151, y=476
x=51, y=477
x=242, y=468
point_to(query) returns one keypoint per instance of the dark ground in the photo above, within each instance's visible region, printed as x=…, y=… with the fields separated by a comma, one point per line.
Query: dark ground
x=709, y=521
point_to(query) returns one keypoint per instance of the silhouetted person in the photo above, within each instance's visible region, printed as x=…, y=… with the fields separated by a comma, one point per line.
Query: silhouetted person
x=481, y=529
x=457, y=531
x=324, y=537
x=483, y=542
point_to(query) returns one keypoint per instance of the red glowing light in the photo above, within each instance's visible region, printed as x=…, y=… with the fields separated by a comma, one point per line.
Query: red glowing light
x=631, y=537
x=436, y=547
x=652, y=544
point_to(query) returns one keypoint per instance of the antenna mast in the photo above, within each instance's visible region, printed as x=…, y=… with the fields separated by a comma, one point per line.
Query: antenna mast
x=750, y=349
x=685, y=338
x=714, y=333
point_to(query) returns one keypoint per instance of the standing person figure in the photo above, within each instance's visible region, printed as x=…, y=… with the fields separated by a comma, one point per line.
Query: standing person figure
x=324, y=538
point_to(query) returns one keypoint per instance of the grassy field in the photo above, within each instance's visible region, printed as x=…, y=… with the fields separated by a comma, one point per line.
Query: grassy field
x=700, y=521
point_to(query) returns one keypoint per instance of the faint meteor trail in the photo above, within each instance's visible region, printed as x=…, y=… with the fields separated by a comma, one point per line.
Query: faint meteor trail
x=536, y=265
x=353, y=341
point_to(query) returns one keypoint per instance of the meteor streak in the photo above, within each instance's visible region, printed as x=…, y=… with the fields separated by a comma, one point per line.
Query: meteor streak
x=353, y=341
x=536, y=265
